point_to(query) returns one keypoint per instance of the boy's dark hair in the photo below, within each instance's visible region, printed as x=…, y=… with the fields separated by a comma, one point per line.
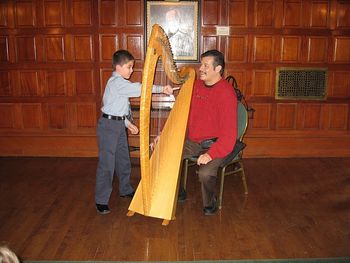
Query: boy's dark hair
x=218, y=59
x=121, y=57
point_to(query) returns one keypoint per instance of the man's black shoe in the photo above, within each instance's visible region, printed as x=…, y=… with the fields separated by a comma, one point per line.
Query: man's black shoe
x=102, y=209
x=182, y=195
x=131, y=195
x=210, y=210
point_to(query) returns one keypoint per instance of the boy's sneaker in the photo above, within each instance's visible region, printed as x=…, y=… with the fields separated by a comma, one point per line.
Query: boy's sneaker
x=102, y=209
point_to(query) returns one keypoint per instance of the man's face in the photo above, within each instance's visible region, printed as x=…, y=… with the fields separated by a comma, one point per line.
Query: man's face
x=207, y=72
x=126, y=69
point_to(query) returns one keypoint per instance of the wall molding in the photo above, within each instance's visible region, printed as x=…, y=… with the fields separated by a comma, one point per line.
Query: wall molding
x=258, y=146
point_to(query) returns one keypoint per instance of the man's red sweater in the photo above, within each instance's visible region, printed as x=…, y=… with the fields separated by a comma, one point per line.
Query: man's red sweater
x=213, y=113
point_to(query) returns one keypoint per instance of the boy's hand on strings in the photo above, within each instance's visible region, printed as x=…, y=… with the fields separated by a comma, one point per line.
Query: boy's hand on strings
x=153, y=144
x=133, y=129
x=167, y=90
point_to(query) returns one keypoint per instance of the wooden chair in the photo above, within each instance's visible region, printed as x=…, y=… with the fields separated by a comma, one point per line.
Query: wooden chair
x=233, y=162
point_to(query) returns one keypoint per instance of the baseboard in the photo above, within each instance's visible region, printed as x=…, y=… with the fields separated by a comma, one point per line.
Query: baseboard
x=281, y=147
x=257, y=146
x=55, y=146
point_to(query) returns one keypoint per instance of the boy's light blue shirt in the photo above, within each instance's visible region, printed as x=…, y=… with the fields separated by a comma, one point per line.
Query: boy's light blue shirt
x=117, y=93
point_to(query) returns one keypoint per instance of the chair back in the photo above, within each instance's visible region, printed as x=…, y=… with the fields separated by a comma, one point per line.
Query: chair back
x=242, y=120
x=242, y=123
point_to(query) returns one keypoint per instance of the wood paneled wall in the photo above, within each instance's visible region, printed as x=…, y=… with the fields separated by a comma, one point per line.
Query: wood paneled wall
x=55, y=58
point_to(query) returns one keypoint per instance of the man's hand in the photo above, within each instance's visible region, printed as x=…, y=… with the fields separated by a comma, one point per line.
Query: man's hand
x=132, y=128
x=155, y=141
x=204, y=159
x=167, y=90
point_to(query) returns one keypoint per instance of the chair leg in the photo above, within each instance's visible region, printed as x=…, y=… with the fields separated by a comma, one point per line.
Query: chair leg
x=222, y=179
x=244, y=179
x=185, y=172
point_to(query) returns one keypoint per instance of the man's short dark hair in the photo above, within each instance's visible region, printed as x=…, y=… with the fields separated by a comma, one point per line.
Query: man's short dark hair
x=121, y=57
x=218, y=59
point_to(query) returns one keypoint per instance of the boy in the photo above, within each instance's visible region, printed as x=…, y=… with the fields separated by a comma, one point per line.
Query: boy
x=111, y=133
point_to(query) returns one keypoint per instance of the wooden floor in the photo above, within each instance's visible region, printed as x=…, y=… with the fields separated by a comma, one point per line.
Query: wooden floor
x=296, y=208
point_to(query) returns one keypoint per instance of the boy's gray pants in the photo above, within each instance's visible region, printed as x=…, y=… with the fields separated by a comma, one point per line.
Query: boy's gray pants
x=113, y=156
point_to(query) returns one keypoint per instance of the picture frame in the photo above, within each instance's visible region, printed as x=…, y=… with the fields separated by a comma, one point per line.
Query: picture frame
x=179, y=19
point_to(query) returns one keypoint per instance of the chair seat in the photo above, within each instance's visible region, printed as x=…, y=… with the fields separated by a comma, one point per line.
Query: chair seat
x=193, y=159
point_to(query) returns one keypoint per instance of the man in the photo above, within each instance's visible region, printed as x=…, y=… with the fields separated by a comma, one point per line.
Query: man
x=213, y=114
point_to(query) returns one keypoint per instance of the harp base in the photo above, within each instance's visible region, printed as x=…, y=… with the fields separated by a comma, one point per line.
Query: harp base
x=165, y=222
x=130, y=213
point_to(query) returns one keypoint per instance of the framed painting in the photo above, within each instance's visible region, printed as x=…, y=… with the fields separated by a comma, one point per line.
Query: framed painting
x=179, y=20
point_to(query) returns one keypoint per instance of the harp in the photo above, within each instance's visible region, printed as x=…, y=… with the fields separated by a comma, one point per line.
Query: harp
x=156, y=194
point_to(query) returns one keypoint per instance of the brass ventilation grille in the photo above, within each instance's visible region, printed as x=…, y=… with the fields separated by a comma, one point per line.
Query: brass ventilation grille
x=301, y=83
